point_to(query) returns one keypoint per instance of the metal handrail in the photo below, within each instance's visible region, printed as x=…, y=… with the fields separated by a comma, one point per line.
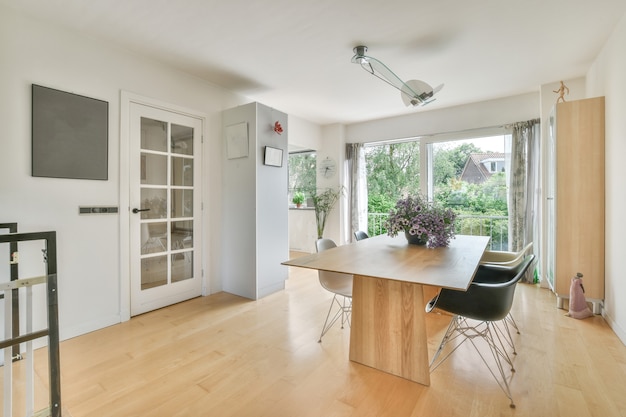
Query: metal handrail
x=52, y=331
x=496, y=227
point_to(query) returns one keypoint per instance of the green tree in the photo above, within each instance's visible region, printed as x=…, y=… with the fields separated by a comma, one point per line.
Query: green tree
x=302, y=172
x=487, y=198
x=380, y=204
x=393, y=170
x=450, y=162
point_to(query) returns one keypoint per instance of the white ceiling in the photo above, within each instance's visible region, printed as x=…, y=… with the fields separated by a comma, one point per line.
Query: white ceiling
x=294, y=55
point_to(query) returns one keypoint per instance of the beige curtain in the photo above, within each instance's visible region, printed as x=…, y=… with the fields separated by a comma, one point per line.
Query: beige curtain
x=523, y=187
x=357, y=187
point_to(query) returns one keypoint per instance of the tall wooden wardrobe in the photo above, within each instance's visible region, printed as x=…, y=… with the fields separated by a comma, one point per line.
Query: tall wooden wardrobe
x=575, y=199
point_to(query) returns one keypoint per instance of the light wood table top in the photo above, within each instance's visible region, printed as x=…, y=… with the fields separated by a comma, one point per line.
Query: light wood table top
x=393, y=258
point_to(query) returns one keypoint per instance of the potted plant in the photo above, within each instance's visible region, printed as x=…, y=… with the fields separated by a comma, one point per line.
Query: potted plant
x=323, y=203
x=422, y=222
x=298, y=198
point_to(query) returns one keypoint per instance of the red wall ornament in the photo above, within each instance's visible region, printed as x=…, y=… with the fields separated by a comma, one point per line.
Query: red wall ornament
x=278, y=128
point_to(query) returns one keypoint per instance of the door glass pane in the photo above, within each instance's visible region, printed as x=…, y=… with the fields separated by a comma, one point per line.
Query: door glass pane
x=153, y=169
x=182, y=235
x=182, y=203
x=153, y=272
x=154, y=237
x=182, y=171
x=153, y=135
x=182, y=139
x=182, y=266
x=155, y=200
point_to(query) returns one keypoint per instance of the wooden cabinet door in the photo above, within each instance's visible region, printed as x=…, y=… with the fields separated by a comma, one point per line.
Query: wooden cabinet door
x=580, y=195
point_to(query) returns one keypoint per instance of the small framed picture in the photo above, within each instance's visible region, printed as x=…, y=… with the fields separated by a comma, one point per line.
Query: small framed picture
x=273, y=157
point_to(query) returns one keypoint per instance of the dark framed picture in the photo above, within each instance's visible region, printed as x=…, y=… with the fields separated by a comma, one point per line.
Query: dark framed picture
x=273, y=157
x=70, y=135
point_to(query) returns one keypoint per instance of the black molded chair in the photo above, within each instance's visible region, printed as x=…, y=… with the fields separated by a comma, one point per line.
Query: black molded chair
x=360, y=235
x=340, y=285
x=505, y=259
x=476, y=311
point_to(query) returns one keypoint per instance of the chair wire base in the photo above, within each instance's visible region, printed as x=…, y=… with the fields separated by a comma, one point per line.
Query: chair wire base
x=460, y=327
x=509, y=325
x=344, y=309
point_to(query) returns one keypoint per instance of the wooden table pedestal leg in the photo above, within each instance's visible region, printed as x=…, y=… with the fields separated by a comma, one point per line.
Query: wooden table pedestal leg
x=388, y=327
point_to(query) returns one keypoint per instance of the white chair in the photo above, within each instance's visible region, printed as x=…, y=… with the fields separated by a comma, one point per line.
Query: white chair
x=340, y=285
x=503, y=258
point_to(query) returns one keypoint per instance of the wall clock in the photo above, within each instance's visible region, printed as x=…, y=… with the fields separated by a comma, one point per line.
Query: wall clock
x=327, y=167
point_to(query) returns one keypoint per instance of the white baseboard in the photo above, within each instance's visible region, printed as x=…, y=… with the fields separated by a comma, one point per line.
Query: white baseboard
x=84, y=328
x=621, y=334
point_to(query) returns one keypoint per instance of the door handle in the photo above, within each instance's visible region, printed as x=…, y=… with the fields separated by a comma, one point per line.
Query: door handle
x=136, y=210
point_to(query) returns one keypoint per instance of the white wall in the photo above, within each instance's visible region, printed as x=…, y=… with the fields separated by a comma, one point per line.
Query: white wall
x=238, y=210
x=302, y=230
x=333, y=146
x=607, y=77
x=577, y=91
x=304, y=134
x=254, y=223
x=88, y=246
x=449, y=120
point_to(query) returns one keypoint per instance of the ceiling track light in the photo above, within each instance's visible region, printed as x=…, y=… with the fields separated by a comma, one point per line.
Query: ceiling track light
x=413, y=92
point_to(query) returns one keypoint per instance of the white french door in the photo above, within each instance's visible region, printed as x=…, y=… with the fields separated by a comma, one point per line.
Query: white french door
x=165, y=202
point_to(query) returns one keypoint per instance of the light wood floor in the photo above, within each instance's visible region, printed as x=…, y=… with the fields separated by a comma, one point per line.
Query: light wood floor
x=224, y=356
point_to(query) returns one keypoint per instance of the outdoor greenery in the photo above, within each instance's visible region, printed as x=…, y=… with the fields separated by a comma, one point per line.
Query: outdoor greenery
x=393, y=173
x=393, y=170
x=302, y=172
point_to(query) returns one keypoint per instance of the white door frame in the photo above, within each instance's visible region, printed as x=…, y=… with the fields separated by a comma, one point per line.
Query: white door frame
x=126, y=99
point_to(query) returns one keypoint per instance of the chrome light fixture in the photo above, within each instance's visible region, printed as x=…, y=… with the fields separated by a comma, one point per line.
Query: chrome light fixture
x=413, y=92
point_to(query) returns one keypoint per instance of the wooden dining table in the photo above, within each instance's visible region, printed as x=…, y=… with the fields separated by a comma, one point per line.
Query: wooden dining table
x=388, y=326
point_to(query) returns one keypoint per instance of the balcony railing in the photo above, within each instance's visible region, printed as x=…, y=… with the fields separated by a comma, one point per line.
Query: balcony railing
x=496, y=227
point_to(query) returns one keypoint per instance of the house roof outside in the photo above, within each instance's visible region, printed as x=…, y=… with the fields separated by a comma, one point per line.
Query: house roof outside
x=481, y=166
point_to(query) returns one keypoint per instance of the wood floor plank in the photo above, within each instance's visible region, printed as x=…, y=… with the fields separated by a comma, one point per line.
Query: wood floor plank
x=226, y=356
